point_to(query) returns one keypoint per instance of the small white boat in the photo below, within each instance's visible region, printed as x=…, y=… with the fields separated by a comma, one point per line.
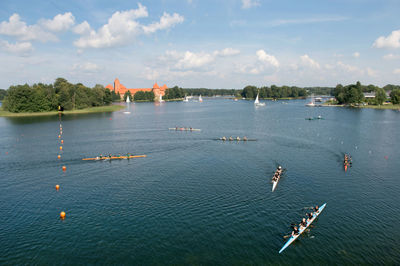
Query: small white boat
x=128, y=100
x=160, y=99
x=312, y=103
x=257, y=102
x=200, y=99
x=186, y=99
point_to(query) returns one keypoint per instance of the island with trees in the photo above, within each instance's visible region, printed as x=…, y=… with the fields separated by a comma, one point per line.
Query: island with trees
x=60, y=96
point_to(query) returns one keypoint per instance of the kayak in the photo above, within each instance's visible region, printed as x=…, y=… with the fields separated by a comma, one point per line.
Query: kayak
x=113, y=158
x=184, y=129
x=293, y=238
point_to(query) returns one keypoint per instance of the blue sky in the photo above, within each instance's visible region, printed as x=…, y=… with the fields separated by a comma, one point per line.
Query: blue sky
x=193, y=43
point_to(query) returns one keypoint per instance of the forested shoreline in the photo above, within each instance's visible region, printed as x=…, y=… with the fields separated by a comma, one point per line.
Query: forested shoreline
x=49, y=97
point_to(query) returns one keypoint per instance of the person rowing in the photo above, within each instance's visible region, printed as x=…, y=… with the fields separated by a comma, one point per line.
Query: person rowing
x=309, y=216
x=295, y=231
x=230, y=138
x=316, y=208
x=109, y=156
x=279, y=170
x=244, y=138
x=237, y=138
x=303, y=223
x=223, y=138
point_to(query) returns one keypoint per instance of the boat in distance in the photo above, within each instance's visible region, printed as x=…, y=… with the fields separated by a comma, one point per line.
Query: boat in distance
x=113, y=158
x=184, y=129
x=293, y=238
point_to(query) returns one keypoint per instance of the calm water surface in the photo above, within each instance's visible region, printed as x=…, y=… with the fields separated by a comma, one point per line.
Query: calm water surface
x=195, y=200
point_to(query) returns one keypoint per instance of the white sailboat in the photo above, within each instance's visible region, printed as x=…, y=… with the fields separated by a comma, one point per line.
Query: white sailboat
x=312, y=103
x=257, y=102
x=160, y=99
x=128, y=100
x=200, y=99
x=186, y=99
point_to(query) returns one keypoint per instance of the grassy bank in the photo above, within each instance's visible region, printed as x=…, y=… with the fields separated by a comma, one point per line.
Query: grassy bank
x=98, y=109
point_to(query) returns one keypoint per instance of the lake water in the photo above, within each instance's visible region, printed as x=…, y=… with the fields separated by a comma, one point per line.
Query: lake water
x=195, y=200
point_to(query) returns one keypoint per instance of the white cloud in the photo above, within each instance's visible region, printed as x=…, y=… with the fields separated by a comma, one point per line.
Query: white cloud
x=250, y=3
x=308, y=62
x=166, y=21
x=82, y=29
x=281, y=22
x=349, y=68
x=356, y=54
x=227, y=52
x=391, y=56
x=20, y=48
x=391, y=41
x=121, y=27
x=60, y=22
x=191, y=60
x=396, y=71
x=86, y=67
x=262, y=56
x=17, y=28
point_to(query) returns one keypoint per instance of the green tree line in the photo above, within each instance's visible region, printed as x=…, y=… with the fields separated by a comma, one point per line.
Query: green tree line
x=354, y=94
x=3, y=94
x=250, y=92
x=47, y=97
x=210, y=92
x=143, y=96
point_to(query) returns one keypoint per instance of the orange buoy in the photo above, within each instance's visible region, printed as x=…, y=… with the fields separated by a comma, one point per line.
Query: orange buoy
x=59, y=136
x=60, y=132
x=62, y=215
x=57, y=187
x=64, y=168
x=60, y=148
x=62, y=142
x=59, y=156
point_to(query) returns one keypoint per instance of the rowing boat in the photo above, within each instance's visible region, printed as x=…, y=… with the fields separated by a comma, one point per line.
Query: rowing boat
x=274, y=183
x=184, y=129
x=235, y=139
x=293, y=238
x=113, y=158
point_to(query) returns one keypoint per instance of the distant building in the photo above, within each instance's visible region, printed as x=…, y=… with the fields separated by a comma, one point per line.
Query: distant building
x=121, y=89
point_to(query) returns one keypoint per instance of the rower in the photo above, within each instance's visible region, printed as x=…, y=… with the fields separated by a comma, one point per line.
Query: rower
x=244, y=138
x=295, y=231
x=237, y=138
x=101, y=156
x=109, y=156
x=191, y=129
x=316, y=208
x=279, y=170
x=128, y=155
x=303, y=223
x=223, y=138
x=230, y=138
x=309, y=216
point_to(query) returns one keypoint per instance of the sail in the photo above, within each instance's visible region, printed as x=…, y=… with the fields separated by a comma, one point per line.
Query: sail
x=200, y=99
x=256, y=101
x=128, y=100
x=161, y=100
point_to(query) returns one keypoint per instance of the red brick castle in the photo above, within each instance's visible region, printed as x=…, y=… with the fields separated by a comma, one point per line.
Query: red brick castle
x=121, y=89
